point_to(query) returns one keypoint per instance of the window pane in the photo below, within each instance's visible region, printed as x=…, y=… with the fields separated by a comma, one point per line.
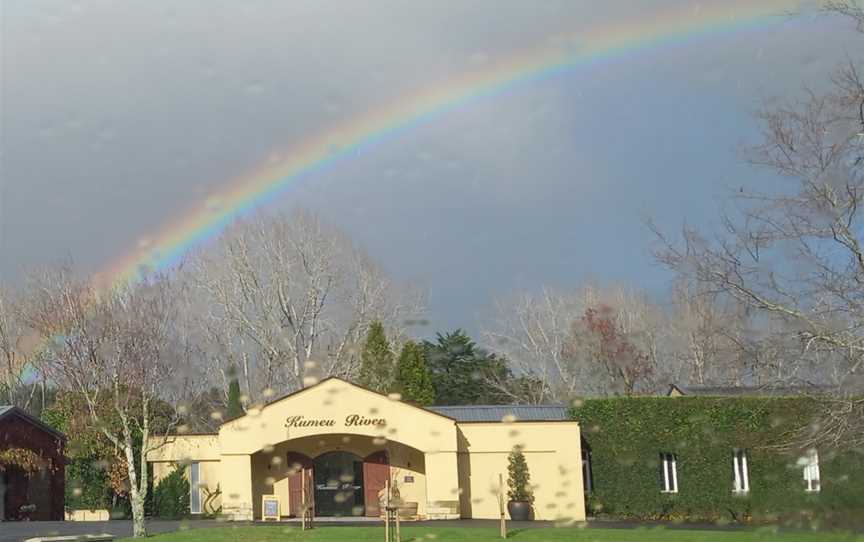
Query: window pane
x=194, y=490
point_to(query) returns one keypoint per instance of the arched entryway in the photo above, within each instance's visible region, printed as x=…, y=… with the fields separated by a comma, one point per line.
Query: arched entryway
x=280, y=469
x=339, y=483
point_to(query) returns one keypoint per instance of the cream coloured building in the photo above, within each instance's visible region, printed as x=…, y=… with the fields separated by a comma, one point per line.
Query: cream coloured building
x=350, y=440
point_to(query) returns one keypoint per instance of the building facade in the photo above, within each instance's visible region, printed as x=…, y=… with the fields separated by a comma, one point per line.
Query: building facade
x=350, y=441
x=32, y=467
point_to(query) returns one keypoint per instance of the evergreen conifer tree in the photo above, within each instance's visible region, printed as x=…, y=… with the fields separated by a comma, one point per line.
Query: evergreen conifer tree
x=462, y=373
x=235, y=408
x=413, y=379
x=376, y=361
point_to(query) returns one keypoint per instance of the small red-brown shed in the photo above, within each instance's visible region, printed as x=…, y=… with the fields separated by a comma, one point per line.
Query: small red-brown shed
x=32, y=467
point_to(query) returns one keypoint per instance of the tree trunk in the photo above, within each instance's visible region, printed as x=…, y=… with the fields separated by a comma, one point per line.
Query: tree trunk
x=136, y=497
x=246, y=376
x=139, y=529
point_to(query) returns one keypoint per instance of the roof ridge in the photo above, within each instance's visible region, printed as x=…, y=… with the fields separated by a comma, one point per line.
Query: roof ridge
x=557, y=405
x=12, y=409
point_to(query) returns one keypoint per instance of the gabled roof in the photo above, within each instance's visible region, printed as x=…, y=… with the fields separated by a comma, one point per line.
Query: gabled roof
x=468, y=413
x=352, y=384
x=498, y=413
x=9, y=411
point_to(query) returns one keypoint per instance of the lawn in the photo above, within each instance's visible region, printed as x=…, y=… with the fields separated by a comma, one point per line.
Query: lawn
x=272, y=533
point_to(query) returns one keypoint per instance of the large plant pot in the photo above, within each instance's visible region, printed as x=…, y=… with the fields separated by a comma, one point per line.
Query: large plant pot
x=519, y=510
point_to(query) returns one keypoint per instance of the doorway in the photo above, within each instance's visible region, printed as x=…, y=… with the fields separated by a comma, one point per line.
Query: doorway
x=338, y=484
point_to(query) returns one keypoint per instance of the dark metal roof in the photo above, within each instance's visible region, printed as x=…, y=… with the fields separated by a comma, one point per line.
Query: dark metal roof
x=13, y=410
x=749, y=391
x=498, y=413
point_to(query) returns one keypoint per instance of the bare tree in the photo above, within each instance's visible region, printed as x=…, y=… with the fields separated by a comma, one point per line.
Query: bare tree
x=598, y=342
x=290, y=297
x=795, y=255
x=13, y=354
x=115, y=348
x=535, y=333
x=530, y=331
x=706, y=334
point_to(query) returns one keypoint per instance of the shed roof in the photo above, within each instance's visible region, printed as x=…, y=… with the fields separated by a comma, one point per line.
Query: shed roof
x=7, y=411
x=497, y=413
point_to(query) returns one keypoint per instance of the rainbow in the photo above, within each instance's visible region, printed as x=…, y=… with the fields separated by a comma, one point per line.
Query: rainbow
x=166, y=246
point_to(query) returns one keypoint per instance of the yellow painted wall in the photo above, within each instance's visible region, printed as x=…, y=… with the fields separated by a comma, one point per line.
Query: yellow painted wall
x=335, y=400
x=455, y=467
x=552, y=451
x=185, y=448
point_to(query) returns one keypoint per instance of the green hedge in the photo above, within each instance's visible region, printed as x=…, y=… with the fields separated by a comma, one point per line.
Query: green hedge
x=627, y=435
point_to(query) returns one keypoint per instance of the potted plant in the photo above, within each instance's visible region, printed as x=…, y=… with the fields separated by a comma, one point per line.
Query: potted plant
x=519, y=489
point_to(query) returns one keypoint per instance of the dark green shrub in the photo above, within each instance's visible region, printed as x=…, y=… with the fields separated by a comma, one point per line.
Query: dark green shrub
x=171, y=496
x=87, y=486
x=627, y=436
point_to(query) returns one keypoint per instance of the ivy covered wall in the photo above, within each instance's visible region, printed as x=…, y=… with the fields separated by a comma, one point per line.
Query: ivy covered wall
x=627, y=435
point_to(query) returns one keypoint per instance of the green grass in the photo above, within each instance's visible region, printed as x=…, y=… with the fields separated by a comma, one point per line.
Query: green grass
x=271, y=533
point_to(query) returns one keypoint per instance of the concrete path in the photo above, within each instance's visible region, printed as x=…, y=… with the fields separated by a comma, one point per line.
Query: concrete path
x=15, y=531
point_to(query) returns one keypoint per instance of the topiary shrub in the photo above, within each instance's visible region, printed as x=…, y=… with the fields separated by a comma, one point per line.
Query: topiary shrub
x=518, y=478
x=171, y=496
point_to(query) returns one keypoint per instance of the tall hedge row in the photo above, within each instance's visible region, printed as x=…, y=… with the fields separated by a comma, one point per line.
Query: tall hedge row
x=627, y=435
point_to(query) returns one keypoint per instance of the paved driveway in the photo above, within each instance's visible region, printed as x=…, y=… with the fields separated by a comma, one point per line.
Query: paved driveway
x=15, y=531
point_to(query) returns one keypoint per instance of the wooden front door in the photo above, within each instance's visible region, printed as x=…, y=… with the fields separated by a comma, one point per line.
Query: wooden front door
x=298, y=464
x=376, y=471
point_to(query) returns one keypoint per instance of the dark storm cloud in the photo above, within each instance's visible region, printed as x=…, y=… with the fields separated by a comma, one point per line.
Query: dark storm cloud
x=117, y=116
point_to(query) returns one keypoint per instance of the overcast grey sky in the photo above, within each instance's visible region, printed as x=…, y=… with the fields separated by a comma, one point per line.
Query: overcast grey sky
x=116, y=116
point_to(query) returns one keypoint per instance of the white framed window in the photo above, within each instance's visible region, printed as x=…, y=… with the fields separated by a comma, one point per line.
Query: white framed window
x=195, y=488
x=669, y=465
x=586, y=475
x=810, y=461
x=740, y=473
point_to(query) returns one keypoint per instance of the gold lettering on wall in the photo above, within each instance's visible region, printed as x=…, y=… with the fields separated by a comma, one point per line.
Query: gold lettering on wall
x=352, y=420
